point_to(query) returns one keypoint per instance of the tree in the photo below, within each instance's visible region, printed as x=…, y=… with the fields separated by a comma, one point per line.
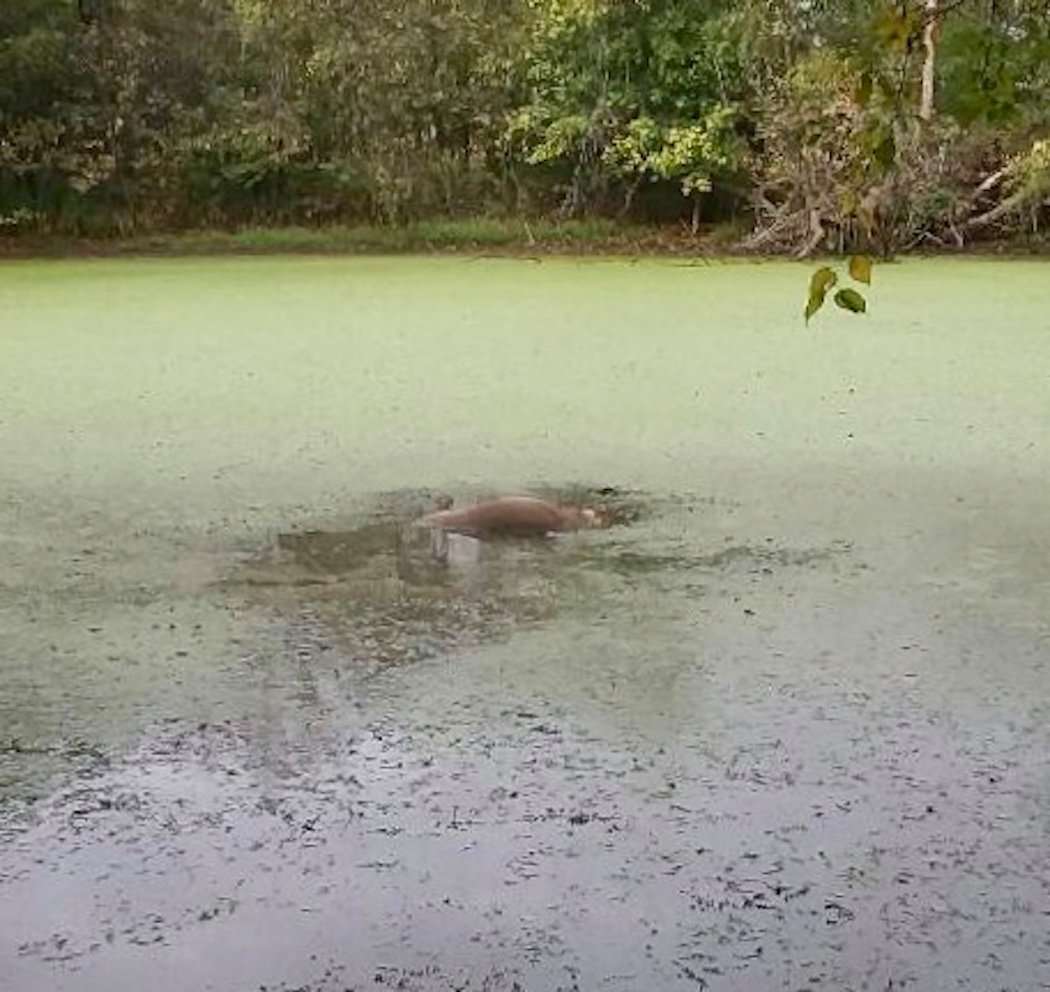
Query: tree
x=845, y=124
x=625, y=93
x=931, y=27
x=851, y=154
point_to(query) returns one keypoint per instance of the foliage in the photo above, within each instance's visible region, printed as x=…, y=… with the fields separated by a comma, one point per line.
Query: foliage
x=1030, y=171
x=847, y=161
x=621, y=93
x=119, y=116
x=825, y=279
x=689, y=153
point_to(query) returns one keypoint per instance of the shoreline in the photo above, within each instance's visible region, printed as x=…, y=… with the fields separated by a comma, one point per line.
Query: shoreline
x=478, y=238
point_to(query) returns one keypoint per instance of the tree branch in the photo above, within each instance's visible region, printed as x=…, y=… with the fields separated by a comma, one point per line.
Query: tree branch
x=1008, y=206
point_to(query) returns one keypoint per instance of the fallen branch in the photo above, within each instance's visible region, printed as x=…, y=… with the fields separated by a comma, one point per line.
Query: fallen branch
x=769, y=233
x=1008, y=206
x=990, y=183
x=925, y=236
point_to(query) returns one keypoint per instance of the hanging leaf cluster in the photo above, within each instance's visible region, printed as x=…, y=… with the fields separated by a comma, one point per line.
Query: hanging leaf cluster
x=824, y=281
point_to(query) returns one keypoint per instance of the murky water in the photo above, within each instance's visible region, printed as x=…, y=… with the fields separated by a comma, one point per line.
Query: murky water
x=784, y=727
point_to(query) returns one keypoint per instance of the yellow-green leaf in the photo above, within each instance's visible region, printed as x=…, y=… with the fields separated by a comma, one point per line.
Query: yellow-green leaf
x=823, y=279
x=815, y=302
x=851, y=300
x=860, y=269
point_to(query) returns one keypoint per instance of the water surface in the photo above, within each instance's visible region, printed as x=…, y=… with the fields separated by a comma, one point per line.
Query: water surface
x=785, y=727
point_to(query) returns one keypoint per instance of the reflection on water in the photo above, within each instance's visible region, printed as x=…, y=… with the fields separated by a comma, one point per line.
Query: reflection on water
x=389, y=591
x=628, y=754
x=600, y=615
x=392, y=591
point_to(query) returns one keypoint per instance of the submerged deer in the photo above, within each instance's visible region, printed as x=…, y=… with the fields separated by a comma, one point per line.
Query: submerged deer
x=515, y=516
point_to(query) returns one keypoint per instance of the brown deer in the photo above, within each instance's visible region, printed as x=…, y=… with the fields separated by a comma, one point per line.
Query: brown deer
x=516, y=516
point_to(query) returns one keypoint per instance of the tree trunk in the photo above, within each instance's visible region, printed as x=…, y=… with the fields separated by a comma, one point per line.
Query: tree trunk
x=817, y=234
x=929, y=65
x=628, y=198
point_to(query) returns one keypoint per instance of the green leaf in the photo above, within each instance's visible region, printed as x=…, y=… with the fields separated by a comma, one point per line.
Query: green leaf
x=860, y=269
x=814, y=304
x=823, y=279
x=851, y=300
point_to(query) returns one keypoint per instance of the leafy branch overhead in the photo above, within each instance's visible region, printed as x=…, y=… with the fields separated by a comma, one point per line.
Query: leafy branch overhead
x=825, y=279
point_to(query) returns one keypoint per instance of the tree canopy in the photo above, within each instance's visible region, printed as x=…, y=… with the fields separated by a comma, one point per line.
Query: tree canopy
x=844, y=124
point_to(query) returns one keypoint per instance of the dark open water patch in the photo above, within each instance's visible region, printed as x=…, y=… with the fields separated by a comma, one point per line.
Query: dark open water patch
x=507, y=844
x=377, y=591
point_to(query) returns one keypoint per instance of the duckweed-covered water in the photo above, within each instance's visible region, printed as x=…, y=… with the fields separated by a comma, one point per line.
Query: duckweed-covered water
x=785, y=726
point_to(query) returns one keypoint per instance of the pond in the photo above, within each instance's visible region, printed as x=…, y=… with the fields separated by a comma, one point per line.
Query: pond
x=784, y=726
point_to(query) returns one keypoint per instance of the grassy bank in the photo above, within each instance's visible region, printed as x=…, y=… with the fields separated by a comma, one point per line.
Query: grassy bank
x=481, y=235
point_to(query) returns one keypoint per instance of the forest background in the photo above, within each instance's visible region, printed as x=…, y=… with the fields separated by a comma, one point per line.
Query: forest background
x=774, y=126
